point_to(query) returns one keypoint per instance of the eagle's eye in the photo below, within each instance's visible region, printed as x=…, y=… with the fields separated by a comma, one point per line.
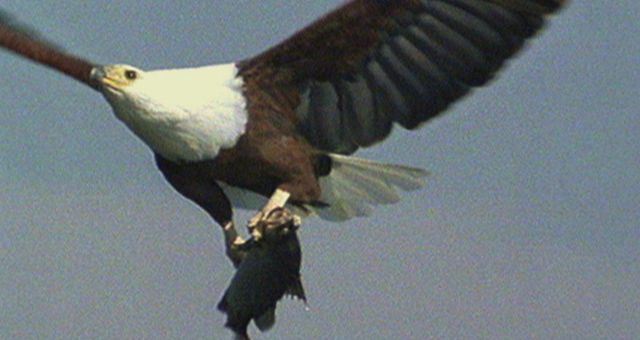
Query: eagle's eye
x=130, y=74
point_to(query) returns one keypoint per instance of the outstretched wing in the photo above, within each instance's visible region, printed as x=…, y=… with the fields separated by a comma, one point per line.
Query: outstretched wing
x=345, y=79
x=27, y=42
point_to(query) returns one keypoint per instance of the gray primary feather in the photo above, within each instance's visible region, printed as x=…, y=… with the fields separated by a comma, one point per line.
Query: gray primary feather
x=427, y=58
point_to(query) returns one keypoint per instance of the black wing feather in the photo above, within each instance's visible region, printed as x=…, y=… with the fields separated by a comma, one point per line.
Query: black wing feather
x=428, y=58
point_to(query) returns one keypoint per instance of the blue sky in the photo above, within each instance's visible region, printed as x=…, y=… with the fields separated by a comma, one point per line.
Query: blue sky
x=526, y=229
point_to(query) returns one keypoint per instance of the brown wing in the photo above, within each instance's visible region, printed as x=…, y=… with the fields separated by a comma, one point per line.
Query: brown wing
x=345, y=79
x=23, y=40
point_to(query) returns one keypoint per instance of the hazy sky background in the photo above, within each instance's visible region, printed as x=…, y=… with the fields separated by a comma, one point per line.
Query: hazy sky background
x=527, y=229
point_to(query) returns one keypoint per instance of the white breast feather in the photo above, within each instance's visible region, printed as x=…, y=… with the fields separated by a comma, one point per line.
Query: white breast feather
x=185, y=114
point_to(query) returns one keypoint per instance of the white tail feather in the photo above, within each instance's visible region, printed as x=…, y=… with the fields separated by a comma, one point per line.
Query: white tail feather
x=355, y=185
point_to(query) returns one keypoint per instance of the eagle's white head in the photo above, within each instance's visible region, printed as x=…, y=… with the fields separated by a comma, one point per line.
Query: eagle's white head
x=182, y=114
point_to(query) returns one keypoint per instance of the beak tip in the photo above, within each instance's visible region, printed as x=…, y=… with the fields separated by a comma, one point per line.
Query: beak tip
x=97, y=73
x=96, y=76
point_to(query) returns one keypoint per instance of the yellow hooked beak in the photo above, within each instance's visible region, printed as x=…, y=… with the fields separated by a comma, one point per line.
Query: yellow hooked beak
x=115, y=76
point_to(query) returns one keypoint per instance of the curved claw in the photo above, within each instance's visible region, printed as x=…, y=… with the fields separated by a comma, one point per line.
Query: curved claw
x=277, y=201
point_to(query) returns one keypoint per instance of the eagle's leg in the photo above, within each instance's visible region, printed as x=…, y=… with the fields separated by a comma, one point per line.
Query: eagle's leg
x=234, y=244
x=193, y=181
x=277, y=201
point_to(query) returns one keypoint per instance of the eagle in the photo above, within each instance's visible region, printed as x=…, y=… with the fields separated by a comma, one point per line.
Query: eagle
x=282, y=124
x=278, y=129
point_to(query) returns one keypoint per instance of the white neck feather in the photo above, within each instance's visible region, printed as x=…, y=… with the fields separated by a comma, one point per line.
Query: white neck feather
x=184, y=114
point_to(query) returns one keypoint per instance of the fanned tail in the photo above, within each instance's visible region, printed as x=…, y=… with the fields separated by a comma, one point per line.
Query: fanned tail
x=355, y=185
